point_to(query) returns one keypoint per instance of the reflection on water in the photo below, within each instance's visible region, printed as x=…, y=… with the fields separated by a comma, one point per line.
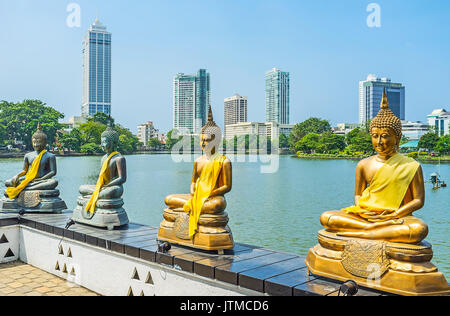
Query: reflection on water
x=278, y=211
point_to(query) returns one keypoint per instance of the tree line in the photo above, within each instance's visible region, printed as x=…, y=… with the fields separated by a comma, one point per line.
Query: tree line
x=316, y=136
x=18, y=122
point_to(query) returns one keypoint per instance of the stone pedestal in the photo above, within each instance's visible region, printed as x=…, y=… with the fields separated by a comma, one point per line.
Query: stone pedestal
x=109, y=213
x=213, y=231
x=404, y=269
x=34, y=201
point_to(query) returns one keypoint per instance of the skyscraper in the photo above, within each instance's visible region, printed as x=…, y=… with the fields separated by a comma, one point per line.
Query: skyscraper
x=371, y=92
x=235, y=110
x=277, y=96
x=96, y=70
x=191, y=98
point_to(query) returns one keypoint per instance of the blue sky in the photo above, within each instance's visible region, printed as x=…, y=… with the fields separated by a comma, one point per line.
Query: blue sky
x=325, y=45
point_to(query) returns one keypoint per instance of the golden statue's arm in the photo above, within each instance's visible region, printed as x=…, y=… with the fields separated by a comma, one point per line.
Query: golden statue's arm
x=226, y=177
x=360, y=181
x=195, y=177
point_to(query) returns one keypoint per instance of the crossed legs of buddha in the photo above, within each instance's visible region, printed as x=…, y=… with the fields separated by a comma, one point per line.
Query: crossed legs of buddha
x=405, y=230
x=113, y=192
x=212, y=205
x=39, y=185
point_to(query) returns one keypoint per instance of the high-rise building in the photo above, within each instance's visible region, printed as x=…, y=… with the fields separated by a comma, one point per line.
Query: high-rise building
x=439, y=120
x=96, y=70
x=235, y=109
x=191, y=98
x=371, y=92
x=277, y=96
x=146, y=132
x=267, y=129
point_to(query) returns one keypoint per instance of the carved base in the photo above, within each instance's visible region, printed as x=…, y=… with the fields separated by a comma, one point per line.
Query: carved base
x=108, y=214
x=213, y=232
x=390, y=267
x=41, y=201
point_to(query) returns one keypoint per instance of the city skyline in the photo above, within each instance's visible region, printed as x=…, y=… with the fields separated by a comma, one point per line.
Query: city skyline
x=147, y=46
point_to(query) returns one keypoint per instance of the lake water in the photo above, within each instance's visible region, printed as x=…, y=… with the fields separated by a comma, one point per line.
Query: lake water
x=278, y=210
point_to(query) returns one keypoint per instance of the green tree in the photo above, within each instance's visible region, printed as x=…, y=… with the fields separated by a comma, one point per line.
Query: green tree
x=91, y=148
x=308, y=143
x=71, y=140
x=283, y=141
x=154, y=143
x=19, y=121
x=428, y=141
x=172, y=138
x=331, y=143
x=128, y=143
x=443, y=145
x=359, y=140
x=91, y=132
x=311, y=125
x=102, y=118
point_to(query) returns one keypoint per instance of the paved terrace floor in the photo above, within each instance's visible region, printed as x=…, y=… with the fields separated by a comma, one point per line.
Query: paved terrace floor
x=20, y=279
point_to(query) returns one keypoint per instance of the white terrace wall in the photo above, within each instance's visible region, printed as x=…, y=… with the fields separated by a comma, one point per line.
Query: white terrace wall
x=105, y=272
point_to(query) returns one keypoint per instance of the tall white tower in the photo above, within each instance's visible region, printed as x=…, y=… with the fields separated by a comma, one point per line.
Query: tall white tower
x=96, y=71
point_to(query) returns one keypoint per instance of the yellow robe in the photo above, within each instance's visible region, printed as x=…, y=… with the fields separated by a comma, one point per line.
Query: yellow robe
x=102, y=178
x=388, y=187
x=204, y=186
x=30, y=176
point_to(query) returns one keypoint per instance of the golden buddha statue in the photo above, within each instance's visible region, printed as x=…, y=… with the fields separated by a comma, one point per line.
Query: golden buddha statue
x=199, y=219
x=377, y=242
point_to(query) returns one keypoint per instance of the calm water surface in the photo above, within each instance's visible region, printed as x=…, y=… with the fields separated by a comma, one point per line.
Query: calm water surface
x=279, y=211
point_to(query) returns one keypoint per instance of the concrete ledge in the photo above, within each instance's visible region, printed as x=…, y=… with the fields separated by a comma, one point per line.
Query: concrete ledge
x=126, y=261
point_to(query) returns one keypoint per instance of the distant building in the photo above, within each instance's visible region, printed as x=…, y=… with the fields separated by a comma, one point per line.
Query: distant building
x=235, y=110
x=191, y=98
x=344, y=128
x=267, y=129
x=96, y=71
x=74, y=122
x=371, y=92
x=439, y=121
x=277, y=96
x=146, y=132
x=414, y=130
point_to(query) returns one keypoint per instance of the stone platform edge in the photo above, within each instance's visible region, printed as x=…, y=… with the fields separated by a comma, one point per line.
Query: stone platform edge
x=254, y=270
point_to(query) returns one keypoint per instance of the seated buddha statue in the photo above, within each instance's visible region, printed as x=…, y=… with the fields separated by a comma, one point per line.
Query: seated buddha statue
x=34, y=188
x=100, y=205
x=198, y=219
x=380, y=228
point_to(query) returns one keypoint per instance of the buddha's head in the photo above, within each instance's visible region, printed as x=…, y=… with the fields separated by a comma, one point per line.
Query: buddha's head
x=109, y=139
x=211, y=135
x=386, y=129
x=39, y=139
